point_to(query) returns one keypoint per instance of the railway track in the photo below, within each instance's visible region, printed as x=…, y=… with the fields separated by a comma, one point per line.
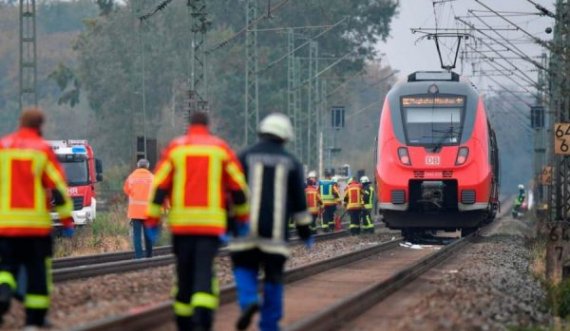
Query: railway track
x=152, y=318
x=96, y=265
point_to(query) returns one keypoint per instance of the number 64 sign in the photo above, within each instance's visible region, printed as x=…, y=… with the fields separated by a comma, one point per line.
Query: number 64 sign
x=562, y=138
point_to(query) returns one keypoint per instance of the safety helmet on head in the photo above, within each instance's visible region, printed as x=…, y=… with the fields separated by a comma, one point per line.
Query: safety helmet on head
x=312, y=174
x=364, y=179
x=521, y=187
x=278, y=125
x=143, y=163
x=334, y=179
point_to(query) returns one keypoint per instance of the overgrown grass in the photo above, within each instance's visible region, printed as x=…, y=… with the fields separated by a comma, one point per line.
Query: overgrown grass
x=111, y=232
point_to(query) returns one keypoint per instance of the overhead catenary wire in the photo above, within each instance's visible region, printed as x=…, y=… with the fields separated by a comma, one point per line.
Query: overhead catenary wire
x=247, y=27
x=161, y=6
x=495, y=64
x=273, y=63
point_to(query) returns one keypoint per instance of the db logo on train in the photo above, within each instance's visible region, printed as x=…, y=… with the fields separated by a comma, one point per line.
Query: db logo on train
x=72, y=191
x=432, y=160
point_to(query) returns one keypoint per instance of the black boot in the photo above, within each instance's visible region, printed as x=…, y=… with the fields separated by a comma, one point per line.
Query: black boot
x=5, y=298
x=184, y=323
x=246, y=316
x=36, y=317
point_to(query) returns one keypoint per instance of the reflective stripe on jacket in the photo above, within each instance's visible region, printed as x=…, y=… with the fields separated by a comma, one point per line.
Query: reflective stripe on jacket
x=29, y=171
x=198, y=170
x=329, y=192
x=313, y=199
x=353, y=196
x=137, y=188
x=368, y=197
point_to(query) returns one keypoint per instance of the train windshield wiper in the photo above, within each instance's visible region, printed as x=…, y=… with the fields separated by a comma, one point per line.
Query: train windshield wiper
x=447, y=134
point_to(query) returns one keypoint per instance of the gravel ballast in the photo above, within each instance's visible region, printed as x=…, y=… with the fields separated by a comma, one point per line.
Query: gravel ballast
x=491, y=288
x=79, y=301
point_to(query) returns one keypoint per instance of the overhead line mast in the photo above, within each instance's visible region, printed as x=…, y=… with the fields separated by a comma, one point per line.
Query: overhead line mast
x=28, y=54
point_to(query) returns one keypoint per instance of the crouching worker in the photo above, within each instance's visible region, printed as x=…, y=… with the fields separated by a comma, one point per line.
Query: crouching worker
x=30, y=176
x=197, y=171
x=276, y=186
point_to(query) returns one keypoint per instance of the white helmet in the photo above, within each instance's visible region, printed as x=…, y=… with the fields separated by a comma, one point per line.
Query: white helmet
x=312, y=174
x=521, y=187
x=334, y=179
x=277, y=124
x=364, y=179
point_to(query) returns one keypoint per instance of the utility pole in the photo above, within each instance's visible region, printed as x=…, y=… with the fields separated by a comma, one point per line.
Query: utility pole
x=300, y=121
x=291, y=81
x=312, y=113
x=28, y=54
x=251, y=72
x=198, y=80
x=558, y=248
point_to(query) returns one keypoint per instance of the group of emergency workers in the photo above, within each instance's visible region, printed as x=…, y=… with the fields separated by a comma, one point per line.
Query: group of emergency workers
x=323, y=198
x=211, y=194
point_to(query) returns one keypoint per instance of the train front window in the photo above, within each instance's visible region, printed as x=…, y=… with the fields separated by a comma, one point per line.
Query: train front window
x=433, y=121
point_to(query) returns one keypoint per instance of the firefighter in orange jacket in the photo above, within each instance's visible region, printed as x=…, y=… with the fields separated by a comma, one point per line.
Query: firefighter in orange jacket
x=137, y=188
x=30, y=177
x=197, y=171
x=314, y=202
x=353, y=204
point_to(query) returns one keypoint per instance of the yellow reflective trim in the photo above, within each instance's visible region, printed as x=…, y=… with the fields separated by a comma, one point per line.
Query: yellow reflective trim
x=216, y=154
x=36, y=301
x=49, y=278
x=7, y=278
x=199, y=217
x=215, y=283
x=241, y=210
x=154, y=210
x=237, y=175
x=27, y=219
x=38, y=159
x=174, y=291
x=204, y=300
x=161, y=173
x=183, y=309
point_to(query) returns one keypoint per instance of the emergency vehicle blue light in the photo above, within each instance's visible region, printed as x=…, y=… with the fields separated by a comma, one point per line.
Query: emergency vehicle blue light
x=78, y=149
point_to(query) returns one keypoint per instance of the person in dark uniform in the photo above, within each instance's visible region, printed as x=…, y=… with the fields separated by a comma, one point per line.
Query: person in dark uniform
x=275, y=180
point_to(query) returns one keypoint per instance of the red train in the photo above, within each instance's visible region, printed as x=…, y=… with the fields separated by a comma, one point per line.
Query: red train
x=437, y=157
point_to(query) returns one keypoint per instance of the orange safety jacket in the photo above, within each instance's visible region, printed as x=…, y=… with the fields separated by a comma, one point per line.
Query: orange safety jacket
x=353, y=196
x=137, y=188
x=313, y=199
x=29, y=171
x=198, y=171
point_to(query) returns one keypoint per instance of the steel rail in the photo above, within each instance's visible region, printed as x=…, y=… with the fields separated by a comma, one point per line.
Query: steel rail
x=121, y=266
x=334, y=316
x=77, y=261
x=149, y=317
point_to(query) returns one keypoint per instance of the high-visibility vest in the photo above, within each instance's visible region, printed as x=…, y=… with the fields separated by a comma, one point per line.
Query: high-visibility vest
x=327, y=190
x=369, y=202
x=137, y=188
x=29, y=171
x=313, y=199
x=198, y=169
x=353, y=197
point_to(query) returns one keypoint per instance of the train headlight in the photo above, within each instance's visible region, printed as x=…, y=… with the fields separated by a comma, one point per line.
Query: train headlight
x=404, y=156
x=462, y=154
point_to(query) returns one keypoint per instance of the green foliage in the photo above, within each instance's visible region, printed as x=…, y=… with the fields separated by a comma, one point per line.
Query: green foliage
x=114, y=48
x=58, y=16
x=63, y=76
x=105, y=6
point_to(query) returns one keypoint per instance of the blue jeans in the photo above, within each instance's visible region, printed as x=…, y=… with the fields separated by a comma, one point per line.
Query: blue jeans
x=138, y=231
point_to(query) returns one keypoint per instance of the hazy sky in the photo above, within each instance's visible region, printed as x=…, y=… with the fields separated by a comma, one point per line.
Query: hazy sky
x=406, y=53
